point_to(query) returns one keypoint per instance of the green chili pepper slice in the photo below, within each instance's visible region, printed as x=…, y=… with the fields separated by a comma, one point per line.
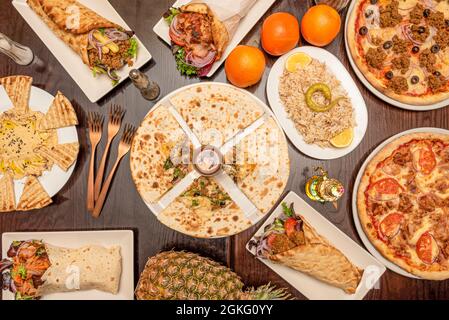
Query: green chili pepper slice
x=326, y=92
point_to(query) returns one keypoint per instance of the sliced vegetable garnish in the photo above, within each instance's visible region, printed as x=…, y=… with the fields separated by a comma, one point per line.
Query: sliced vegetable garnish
x=170, y=14
x=327, y=94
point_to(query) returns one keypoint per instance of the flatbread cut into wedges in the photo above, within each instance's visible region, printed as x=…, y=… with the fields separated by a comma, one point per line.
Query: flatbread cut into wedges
x=18, y=89
x=7, y=199
x=62, y=154
x=318, y=258
x=34, y=196
x=55, y=13
x=157, y=137
x=215, y=113
x=60, y=114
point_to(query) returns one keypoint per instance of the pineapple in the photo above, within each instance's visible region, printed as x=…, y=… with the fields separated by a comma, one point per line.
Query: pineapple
x=183, y=275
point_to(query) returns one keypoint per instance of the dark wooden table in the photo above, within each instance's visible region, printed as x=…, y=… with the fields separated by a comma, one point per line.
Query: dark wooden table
x=124, y=208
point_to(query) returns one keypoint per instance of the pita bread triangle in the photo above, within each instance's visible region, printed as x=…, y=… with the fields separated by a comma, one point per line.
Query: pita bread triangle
x=62, y=154
x=7, y=198
x=18, y=89
x=34, y=196
x=60, y=114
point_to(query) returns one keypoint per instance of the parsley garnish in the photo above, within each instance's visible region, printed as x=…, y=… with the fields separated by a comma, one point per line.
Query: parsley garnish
x=170, y=14
x=182, y=66
x=132, y=50
x=168, y=164
x=288, y=211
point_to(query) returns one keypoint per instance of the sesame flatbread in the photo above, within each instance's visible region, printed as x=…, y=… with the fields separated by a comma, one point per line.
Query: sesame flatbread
x=34, y=196
x=64, y=155
x=7, y=199
x=18, y=89
x=61, y=114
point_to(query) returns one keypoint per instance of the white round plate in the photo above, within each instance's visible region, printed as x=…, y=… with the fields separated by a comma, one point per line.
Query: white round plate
x=53, y=180
x=376, y=92
x=337, y=68
x=268, y=111
x=390, y=265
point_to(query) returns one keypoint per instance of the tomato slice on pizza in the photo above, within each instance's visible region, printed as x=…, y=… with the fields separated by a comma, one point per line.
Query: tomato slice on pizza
x=427, y=248
x=384, y=189
x=390, y=225
x=424, y=160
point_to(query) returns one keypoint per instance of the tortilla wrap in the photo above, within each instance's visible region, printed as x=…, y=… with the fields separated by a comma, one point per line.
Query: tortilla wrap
x=152, y=145
x=86, y=268
x=58, y=15
x=318, y=258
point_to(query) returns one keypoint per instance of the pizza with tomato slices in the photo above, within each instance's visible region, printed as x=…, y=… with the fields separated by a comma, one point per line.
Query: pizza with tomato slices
x=402, y=47
x=403, y=203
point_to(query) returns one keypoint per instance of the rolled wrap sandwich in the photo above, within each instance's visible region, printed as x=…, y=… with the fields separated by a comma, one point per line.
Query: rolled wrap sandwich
x=102, y=45
x=34, y=269
x=293, y=242
x=201, y=30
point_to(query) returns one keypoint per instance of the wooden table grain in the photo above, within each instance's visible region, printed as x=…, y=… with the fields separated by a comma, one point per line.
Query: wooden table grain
x=124, y=209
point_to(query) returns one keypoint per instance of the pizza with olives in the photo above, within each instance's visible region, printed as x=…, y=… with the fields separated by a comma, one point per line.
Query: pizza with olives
x=403, y=203
x=402, y=47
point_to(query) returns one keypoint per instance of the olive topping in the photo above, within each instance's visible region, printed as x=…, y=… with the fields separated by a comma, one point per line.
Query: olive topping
x=363, y=31
x=435, y=48
x=447, y=23
x=368, y=13
x=389, y=75
x=426, y=13
x=421, y=29
x=373, y=1
x=415, y=49
x=437, y=73
x=387, y=45
x=414, y=79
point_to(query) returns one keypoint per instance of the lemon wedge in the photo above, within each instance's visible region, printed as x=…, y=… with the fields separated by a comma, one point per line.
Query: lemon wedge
x=343, y=139
x=297, y=60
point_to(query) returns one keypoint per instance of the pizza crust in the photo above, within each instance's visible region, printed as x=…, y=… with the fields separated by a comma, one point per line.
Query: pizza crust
x=362, y=210
x=372, y=79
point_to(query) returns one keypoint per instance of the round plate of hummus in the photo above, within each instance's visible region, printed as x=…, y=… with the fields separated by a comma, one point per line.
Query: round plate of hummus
x=38, y=144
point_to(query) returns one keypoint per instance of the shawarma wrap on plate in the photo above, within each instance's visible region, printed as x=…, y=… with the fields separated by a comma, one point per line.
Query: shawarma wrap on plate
x=291, y=241
x=102, y=45
x=201, y=30
x=34, y=269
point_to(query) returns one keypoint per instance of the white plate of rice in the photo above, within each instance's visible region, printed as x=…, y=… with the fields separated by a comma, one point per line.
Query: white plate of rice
x=311, y=131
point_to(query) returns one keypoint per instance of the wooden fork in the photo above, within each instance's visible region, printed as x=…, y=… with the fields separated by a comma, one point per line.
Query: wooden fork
x=123, y=148
x=115, y=121
x=95, y=124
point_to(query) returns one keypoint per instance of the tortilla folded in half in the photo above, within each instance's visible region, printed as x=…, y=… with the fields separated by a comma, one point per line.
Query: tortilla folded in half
x=37, y=269
x=293, y=242
x=102, y=45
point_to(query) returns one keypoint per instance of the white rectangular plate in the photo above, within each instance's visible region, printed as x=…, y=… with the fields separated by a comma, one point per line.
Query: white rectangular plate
x=310, y=287
x=247, y=23
x=94, y=88
x=76, y=239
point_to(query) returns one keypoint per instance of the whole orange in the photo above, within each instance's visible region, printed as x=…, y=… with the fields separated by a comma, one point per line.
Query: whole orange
x=245, y=66
x=280, y=33
x=320, y=25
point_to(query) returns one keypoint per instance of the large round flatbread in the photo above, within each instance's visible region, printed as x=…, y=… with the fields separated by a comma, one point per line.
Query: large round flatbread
x=433, y=272
x=215, y=113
